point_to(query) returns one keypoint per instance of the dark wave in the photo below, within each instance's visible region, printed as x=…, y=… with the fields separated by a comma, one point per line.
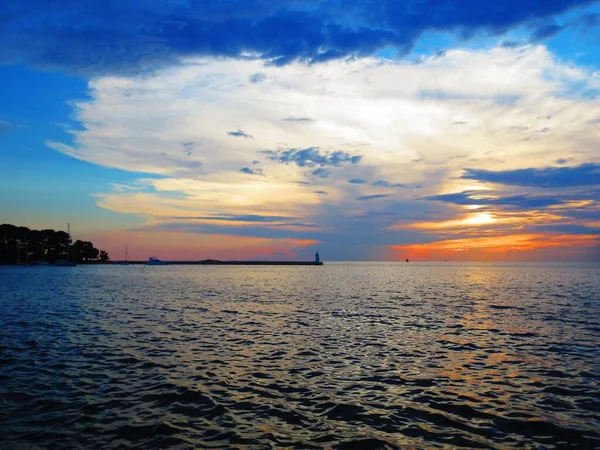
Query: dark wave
x=342, y=357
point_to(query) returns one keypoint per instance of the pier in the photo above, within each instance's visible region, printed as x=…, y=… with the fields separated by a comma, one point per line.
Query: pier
x=154, y=261
x=214, y=262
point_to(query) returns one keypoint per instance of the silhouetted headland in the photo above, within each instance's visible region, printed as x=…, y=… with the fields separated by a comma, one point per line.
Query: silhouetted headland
x=21, y=245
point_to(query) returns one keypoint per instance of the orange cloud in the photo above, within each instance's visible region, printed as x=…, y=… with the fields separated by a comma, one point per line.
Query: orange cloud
x=494, y=248
x=483, y=219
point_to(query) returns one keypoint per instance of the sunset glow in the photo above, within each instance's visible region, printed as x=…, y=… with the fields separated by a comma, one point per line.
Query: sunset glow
x=290, y=224
x=496, y=248
x=435, y=143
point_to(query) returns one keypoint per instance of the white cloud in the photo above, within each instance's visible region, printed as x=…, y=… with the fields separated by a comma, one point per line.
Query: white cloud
x=502, y=108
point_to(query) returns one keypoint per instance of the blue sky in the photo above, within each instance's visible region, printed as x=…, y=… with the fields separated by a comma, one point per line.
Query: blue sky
x=365, y=130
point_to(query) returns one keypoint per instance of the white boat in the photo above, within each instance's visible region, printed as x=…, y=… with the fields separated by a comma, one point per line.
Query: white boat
x=154, y=261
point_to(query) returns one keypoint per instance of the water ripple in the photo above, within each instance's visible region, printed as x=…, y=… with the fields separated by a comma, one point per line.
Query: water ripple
x=344, y=356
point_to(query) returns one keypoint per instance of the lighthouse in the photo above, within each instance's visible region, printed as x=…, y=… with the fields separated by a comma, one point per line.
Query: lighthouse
x=317, y=259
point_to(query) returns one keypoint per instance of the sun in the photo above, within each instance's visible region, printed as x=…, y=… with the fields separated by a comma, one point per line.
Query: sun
x=482, y=218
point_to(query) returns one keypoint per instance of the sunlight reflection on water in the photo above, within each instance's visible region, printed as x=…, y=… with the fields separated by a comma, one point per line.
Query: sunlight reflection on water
x=348, y=355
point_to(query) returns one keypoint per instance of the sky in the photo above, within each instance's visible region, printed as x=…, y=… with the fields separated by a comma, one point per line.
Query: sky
x=433, y=130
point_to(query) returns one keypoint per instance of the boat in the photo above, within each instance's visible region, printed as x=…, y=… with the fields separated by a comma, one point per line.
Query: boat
x=126, y=262
x=69, y=261
x=154, y=261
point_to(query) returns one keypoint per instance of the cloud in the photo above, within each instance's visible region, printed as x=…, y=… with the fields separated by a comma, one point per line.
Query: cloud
x=124, y=125
x=387, y=184
x=238, y=218
x=510, y=44
x=357, y=181
x=298, y=119
x=321, y=172
x=160, y=199
x=563, y=160
x=544, y=177
x=173, y=241
x=372, y=197
x=240, y=133
x=249, y=171
x=483, y=198
x=545, y=31
x=270, y=230
x=311, y=157
x=583, y=215
x=321, y=193
x=506, y=247
x=373, y=133
x=129, y=37
x=257, y=77
x=572, y=229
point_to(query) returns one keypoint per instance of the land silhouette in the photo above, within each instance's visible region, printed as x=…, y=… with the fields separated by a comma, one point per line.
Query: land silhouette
x=23, y=245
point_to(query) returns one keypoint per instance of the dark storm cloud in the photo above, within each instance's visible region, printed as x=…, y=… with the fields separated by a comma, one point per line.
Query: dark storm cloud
x=91, y=36
x=544, y=177
x=311, y=157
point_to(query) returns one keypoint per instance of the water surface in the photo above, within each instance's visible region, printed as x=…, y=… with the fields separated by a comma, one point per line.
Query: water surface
x=348, y=355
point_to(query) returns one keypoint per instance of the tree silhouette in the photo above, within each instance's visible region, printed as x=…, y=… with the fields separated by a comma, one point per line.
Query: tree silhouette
x=20, y=244
x=84, y=251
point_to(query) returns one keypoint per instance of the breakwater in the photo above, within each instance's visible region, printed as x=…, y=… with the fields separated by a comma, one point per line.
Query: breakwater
x=208, y=262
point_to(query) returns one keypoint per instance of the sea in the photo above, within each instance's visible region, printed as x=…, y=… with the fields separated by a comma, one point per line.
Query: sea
x=354, y=355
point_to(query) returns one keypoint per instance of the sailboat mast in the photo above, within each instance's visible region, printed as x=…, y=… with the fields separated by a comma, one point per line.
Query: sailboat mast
x=69, y=242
